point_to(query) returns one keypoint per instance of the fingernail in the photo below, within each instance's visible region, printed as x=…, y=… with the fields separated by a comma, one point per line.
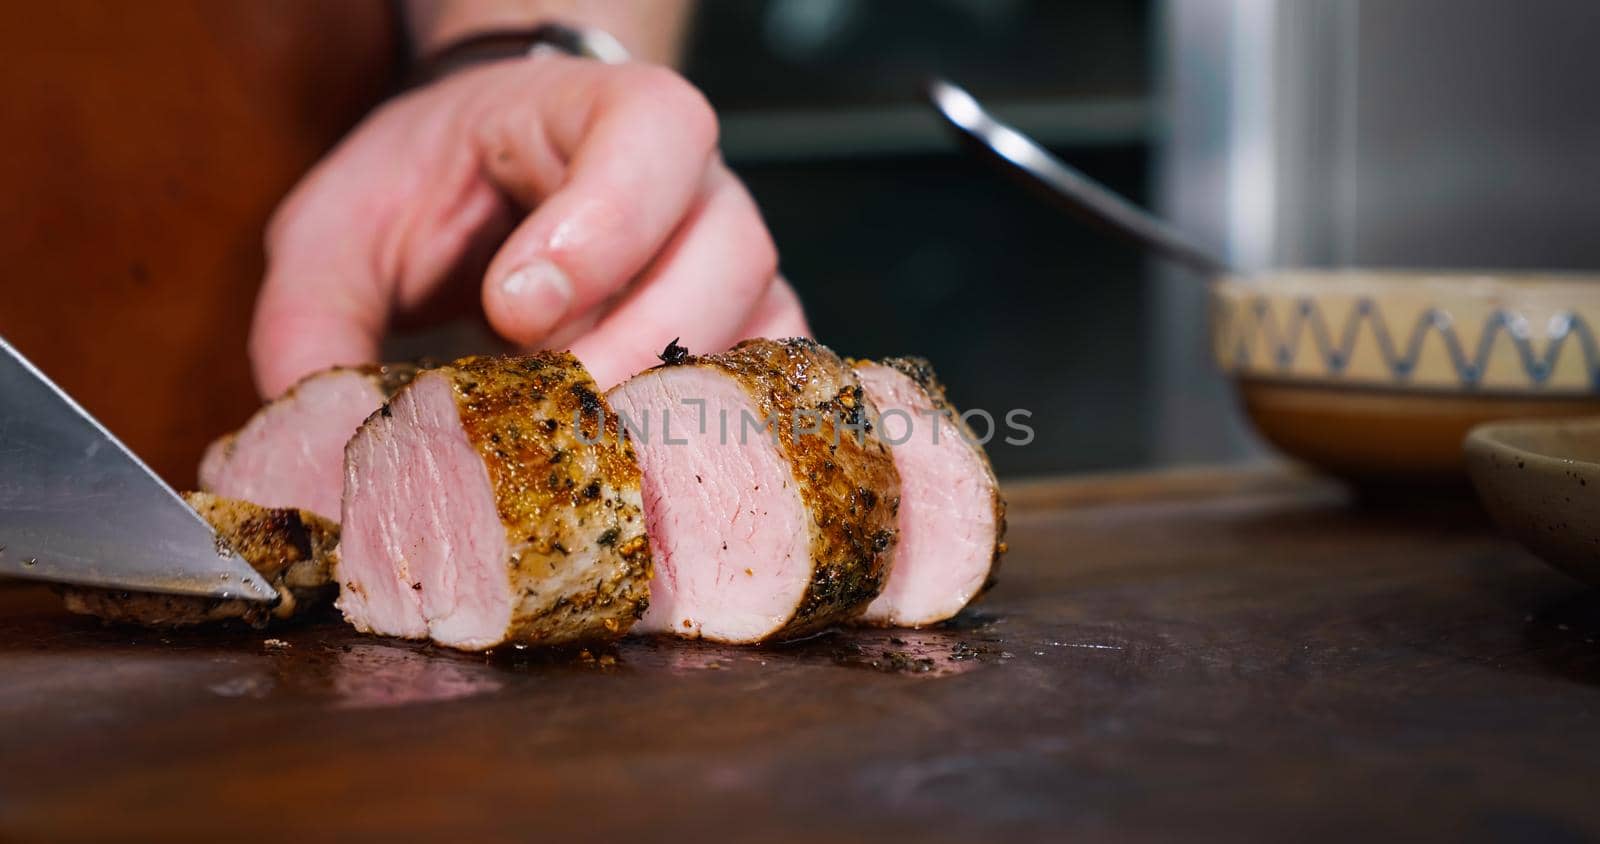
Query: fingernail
x=537, y=295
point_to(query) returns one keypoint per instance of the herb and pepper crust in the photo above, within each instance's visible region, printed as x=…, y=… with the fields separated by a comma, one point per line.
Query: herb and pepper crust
x=391, y=377
x=291, y=549
x=571, y=507
x=847, y=481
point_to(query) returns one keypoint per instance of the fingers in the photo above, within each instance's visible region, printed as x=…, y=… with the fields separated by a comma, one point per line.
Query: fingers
x=329, y=291
x=701, y=288
x=778, y=315
x=637, y=228
x=289, y=340
x=613, y=360
x=358, y=239
x=637, y=141
x=320, y=304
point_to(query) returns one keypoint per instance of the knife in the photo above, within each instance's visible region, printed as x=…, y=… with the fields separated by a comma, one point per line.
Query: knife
x=76, y=506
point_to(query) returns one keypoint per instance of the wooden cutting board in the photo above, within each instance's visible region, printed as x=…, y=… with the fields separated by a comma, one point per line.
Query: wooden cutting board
x=1200, y=656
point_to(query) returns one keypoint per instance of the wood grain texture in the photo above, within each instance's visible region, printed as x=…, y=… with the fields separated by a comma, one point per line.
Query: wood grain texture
x=146, y=145
x=1263, y=662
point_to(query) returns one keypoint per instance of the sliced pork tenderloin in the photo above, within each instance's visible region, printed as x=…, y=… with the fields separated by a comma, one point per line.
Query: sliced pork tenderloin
x=759, y=533
x=291, y=549
x=291, y=452
x=478, y=512
x=952, y=519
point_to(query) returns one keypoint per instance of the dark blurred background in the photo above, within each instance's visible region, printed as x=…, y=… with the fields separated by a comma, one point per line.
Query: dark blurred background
x=901, y=243
x=1383, y=133
x=147, y=143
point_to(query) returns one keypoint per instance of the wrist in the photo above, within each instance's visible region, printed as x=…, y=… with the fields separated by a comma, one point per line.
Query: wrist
x=652, y=30
x=472, y=49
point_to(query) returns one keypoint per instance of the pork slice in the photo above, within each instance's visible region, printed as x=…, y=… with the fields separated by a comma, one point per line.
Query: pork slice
x=478, y=512
x=952, y=517
x=291, y=549
x=291, y=452
x=759, y=533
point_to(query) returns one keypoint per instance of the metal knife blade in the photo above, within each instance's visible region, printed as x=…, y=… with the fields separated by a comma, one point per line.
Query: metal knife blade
x=76, y=506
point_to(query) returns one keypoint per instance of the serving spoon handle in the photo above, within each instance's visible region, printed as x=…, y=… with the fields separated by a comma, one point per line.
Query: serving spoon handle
x=1081, y=195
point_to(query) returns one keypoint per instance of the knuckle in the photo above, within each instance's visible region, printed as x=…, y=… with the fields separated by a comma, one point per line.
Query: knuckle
x=300, y=214
x=281, y=222
x=765, y=259
x=751, y=230
x=678, y=97
x=264, y=341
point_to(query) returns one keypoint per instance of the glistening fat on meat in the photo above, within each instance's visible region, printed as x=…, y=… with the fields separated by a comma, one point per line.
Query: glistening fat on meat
x=291, y=452
x=483, y=505
x=759, y=534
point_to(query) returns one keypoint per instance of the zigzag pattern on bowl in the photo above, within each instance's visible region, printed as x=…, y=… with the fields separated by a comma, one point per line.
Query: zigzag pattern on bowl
x=1245, y=323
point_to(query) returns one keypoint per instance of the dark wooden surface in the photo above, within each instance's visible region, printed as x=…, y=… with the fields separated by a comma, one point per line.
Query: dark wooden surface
x=1243, y=657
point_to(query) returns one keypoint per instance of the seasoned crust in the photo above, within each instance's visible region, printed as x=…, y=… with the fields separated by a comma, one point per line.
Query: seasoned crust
x=921, y=371
x=390, y=377
x=291, y=549
x=565, y=502
x=848, y=484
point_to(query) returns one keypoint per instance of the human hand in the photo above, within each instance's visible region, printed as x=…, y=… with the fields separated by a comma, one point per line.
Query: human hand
x=638, y=233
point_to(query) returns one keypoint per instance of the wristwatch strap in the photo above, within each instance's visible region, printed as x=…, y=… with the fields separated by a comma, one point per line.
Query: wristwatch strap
x=497, y=44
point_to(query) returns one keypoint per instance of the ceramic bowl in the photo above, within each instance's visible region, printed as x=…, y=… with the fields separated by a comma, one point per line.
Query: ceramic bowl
x=1378, y=375
x=1540, y=481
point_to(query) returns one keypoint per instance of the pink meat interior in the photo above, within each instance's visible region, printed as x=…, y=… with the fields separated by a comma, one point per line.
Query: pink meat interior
x=727, y=528
x=422, y=550
x=946, y=521
x=291, y=454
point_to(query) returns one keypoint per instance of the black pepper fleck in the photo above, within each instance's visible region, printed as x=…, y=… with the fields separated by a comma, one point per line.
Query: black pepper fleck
x=673, y=354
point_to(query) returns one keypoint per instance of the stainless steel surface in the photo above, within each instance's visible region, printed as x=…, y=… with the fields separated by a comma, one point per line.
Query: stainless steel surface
x=1433, y=134
x=77, y=507
x=1076, y=191
x=1212, y=179
x=1421, y=134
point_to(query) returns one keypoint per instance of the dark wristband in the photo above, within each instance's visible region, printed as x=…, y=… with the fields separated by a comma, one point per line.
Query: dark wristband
x=499, y=44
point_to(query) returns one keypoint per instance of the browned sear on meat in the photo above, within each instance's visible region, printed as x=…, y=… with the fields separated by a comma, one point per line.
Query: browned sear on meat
x=291, y=549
